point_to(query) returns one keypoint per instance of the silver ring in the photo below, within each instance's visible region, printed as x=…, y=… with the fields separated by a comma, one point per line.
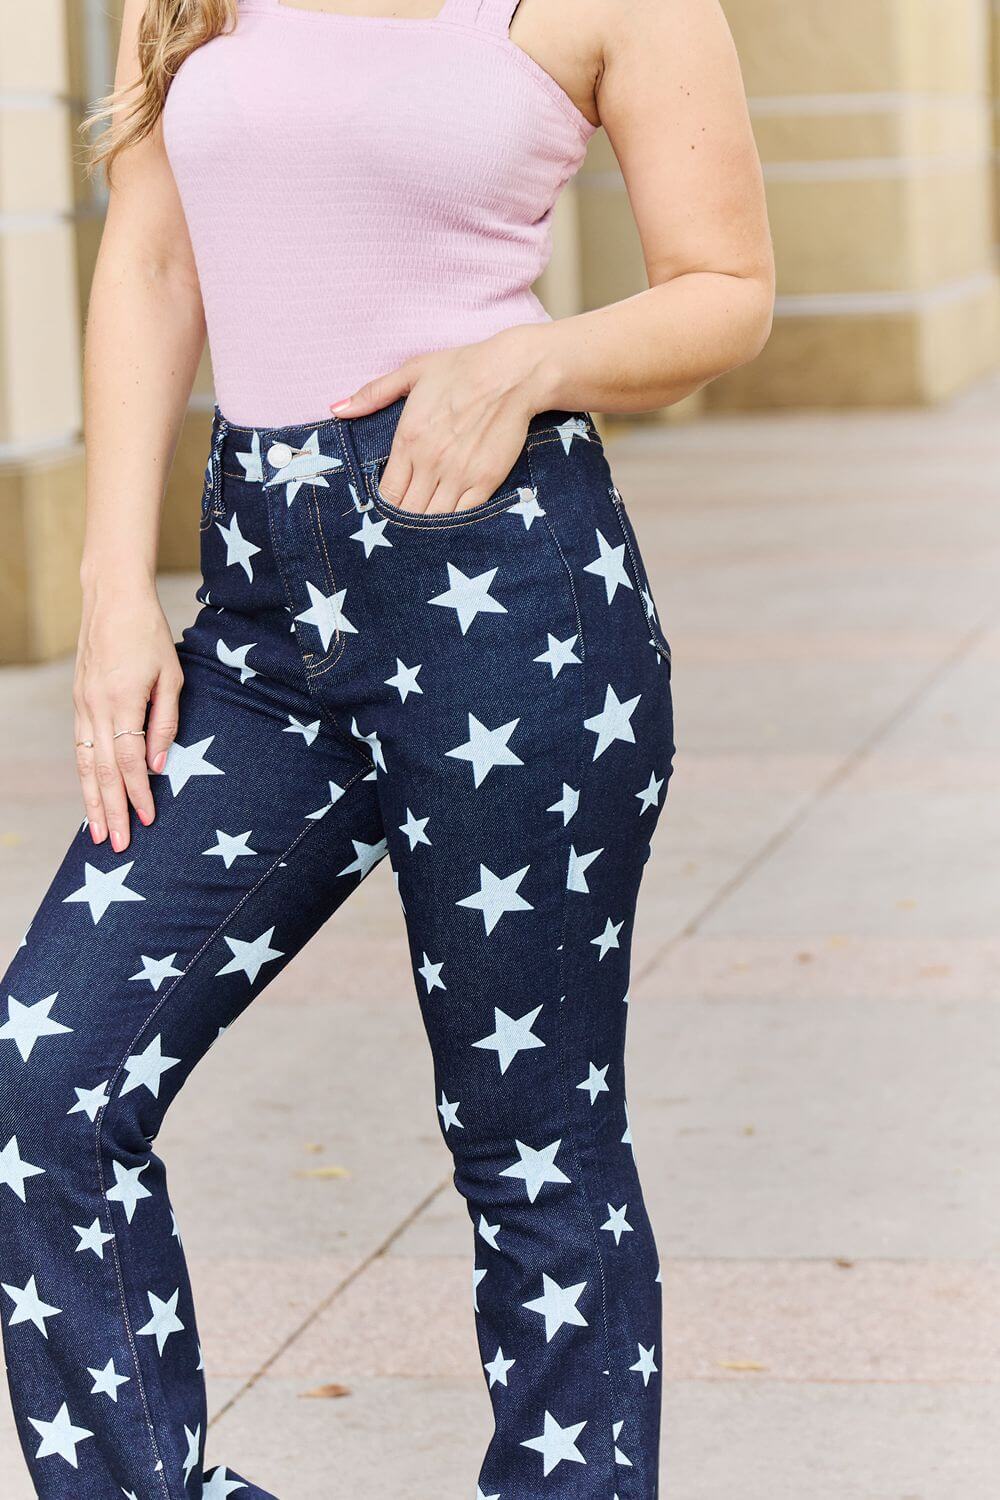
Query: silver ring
x=127, y=731
x=85, y=744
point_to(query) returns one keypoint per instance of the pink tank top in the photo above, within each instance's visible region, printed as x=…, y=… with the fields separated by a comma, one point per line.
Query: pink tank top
x=360, y=190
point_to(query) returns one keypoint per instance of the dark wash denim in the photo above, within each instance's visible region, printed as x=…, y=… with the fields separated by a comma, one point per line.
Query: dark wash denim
x=485, y=697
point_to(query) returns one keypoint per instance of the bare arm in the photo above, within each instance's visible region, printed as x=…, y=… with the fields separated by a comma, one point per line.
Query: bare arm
x=145, y=334
x=665, y=82
x=672, y=102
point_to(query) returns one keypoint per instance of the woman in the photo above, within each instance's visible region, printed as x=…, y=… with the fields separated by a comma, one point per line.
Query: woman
x=426, y=632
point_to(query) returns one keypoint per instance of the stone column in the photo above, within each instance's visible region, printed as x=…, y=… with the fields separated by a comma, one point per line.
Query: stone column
x=875, y=124
x=40, y=409
x=874, y=120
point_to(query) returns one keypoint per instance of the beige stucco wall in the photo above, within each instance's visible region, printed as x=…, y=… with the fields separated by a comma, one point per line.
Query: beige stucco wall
x=878, y=126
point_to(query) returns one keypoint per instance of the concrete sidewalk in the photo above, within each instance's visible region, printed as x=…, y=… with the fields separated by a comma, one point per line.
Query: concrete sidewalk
x=815, y=1042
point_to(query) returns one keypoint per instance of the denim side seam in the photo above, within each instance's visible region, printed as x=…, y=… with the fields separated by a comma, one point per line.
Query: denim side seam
x=585, y=1205
x=656, y=636
x=585, y=1208
x=98, y=1145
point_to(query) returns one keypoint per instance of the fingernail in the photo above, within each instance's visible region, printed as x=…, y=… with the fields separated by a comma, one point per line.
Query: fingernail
x=96, y=834
x=117, y=841
x=341, y=405
x=145, y=818
x=160, y=762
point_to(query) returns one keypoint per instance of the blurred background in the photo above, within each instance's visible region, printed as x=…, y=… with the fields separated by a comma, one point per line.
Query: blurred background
x=877, y=123
x=815, y=1059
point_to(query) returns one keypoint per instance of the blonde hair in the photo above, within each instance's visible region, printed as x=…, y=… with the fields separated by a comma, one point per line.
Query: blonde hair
x=169, y=31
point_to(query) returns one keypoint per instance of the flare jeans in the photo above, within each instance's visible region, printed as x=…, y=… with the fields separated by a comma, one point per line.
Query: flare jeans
x=484, y=697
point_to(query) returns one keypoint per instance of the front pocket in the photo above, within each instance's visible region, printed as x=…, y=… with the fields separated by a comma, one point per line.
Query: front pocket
x=639, y=576
x=440, y=520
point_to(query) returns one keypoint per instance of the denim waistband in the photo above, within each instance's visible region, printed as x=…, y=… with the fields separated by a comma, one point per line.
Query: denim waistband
x=367, y=440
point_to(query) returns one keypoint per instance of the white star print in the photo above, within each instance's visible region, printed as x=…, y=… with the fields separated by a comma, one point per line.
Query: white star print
x=164, y=1321
x=14, y=1171
x=645, y=1364
x=415, y=829
x=575, y=427
x=145, y=1069
x=609, y=564
x=220, y=1486
x=298, y=466
x=29, y=1307
x=156, y=970
x=607, y=939
x=486, y=748
x=405, y=681
x=371, y=535
x=237, y=657
x=92, y=1239
x=250, y=958
x=616, y=1432
x=511, y=1037
x=477, y=1276
x=536, y=1167
x=497, y=895
x=89, y=1101
x=498, y=1368
x=579, y=864
x=238, y=550
x=627, y=1137
x=128, y=1190
x=307, y=731
x=469, y=597
x=617, y=1224
x=100, y=890
x=526, y=506
x=556, y=1444
x=107, y=1381
x=449, y=1113
x=613, y=722
x=559, y=654
x=194, y=1444
x=366, y=857
x=650, y=794
x=26, y=1023
x=336, y=792
x=59, y=1437
x=431, y=974
x=187, y=761
x=326, y=614
x=252, y=464
x=481, y=1496
x=489, y=1232
x=596, y=1082
x=557, y=1305
x=231, y=847
x=567, y=804
x=372, y=741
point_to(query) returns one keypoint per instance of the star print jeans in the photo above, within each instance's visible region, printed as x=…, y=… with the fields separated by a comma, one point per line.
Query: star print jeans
x=484, y=697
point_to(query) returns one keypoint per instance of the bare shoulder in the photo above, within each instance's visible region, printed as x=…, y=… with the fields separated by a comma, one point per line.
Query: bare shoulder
x=582, y=43
x=673, y=56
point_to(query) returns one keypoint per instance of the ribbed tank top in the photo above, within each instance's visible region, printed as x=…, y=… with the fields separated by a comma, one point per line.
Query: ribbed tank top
x=360, y=190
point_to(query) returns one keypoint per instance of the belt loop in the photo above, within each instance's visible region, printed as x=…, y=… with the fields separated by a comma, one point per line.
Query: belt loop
x=221, y=426
x=349, y=449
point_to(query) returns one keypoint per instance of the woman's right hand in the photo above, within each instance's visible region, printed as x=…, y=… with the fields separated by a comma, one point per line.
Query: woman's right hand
x=126, y=663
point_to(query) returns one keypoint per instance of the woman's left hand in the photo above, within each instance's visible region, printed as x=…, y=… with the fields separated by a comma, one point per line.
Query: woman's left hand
x=464, y=422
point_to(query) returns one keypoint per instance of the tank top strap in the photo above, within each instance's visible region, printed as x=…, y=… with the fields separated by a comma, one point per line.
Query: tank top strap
x=488, y=15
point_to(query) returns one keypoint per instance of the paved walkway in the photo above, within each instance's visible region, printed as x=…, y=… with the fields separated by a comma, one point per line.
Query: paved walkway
x=815, y=1044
